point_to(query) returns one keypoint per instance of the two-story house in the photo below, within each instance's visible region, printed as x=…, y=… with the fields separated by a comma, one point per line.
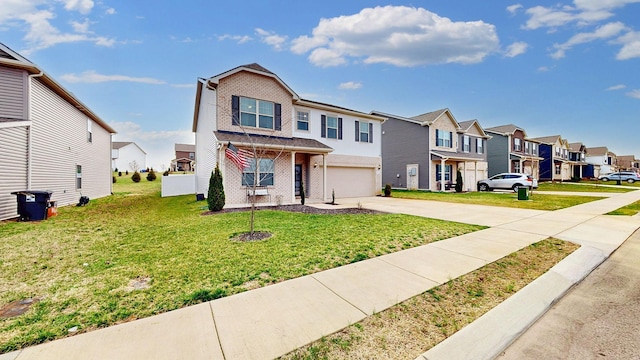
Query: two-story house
x=250, y=122
x=603, y=158
x=49, y=140
x=555, y=164
x=425, y=151
x=185, y=157
x=577, y=156
x=127, y=156
x=510, y=150
x=629, y=163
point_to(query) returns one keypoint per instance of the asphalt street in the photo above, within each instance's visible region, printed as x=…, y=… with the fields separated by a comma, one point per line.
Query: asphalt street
x=598, y=319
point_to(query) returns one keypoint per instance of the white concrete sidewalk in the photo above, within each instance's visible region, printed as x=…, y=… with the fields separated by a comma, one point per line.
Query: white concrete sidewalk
x=268, y=322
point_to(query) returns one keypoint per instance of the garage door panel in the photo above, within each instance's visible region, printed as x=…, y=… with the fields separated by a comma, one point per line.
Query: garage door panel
x=350, y=182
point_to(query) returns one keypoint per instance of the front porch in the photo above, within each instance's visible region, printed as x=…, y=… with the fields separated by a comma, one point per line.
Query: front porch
x=445, y=167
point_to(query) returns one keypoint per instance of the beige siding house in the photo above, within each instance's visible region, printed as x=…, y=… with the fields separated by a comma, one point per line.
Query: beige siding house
x=328, y=149
x=49, y=140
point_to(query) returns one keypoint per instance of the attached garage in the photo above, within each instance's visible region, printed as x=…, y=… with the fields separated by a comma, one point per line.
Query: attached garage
x=351, y=181
x=14, y=159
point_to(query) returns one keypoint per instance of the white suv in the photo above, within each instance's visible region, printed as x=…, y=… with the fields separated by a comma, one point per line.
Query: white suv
x=511, y=181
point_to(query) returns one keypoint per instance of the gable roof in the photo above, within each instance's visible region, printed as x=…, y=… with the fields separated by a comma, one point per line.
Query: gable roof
x=185, y=147
x=119, y=144
x=549, y=140
x=576, y=147
x=466, y=126
x=431, y=117
x=12, y=59
x=505, y=130
x=595, y=151
x=252, y=68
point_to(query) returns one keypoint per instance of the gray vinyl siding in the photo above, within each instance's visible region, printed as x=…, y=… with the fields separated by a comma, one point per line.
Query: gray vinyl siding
x=59, y=143
x=13, y=93
x=404, y=143
x=498, y=154
x=13, y=177
x=473, y=149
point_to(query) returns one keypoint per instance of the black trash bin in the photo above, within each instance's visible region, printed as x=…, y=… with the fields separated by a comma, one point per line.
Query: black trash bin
x=32, y=204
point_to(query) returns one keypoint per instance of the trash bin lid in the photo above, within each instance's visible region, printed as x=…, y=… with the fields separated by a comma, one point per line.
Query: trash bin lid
x=33, y=192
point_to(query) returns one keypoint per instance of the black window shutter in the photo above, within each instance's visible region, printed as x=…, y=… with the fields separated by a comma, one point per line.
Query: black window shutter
x=370, y=132
x=278, y=117
x=339, y=128
x=437, y=136
x=235, y=110
x=357, y=130
x=323, y=123
x=450, y=139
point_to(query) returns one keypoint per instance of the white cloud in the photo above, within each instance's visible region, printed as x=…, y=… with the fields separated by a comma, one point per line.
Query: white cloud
x=81, y=6
x=159, y=145
x=515, y=49
x=184, y=86
x=595, y=5
x=241, y=39
x=514, y=8
x=92, y=77
x=110, y=11
x=271, y=38
x=630, y=46
x=634, y=94
x=397, y=35
x=544, y=69
x=38, y=16
x=616, y=87
x=350, y=85
x=603, y=32
x=583, y=12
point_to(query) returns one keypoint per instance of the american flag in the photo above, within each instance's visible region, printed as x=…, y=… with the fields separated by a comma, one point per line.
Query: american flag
x=240, y=157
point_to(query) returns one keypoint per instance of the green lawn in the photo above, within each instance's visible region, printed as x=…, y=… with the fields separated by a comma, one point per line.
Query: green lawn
x=84, y=265
x=584, y=186
x=505, y=199
x=628, y=210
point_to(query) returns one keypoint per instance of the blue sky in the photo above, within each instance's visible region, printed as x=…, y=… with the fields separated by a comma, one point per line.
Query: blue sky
x=552, y=67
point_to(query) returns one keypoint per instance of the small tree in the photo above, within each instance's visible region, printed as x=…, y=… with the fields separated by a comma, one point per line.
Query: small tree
x=458, y=181
x=302, y=195
x=387, y=190
x=151, y=176
x=135, y=177
x=215, y=196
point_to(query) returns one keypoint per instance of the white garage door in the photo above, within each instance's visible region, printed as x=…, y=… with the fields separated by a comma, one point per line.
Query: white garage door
x=351, y=182
x=13, y=177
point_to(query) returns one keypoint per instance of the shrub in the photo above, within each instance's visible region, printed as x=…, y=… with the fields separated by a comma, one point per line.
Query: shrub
x=302, y=195
x=126, y=172
x=135, y=177
x=116, y=170
x=215, y=196
x=165, y=173
x=119, y=173
x=114, y=179
x=458, y=181
x=387, y=190
x=151, y=176
x=333, y=196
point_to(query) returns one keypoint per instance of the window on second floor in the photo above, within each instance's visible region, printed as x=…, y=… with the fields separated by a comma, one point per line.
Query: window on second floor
x=331, y=127
x=533, y=149
x=466, y=143
x=89, y=130
x=479, y=146
x=302, y=120
x=192, y=155
x=364, y=131
x=517, y=144
x=255, y=113
x=527, y=147
x=557, y=151
x=444, y=138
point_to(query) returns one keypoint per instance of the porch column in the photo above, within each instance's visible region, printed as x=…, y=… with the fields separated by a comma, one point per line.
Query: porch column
x=293, y=177
x=521, y=165
x=324, y=177
x=464, y=175
x=442, y=172
x=475, y=175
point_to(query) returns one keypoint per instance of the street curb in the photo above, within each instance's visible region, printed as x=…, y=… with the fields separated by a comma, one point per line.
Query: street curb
x=494, y=331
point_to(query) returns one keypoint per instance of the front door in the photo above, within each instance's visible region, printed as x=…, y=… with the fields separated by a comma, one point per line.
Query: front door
x=298, y=178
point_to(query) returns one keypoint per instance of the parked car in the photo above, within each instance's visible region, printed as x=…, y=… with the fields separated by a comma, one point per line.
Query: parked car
x=511, y=181
x=628, y=176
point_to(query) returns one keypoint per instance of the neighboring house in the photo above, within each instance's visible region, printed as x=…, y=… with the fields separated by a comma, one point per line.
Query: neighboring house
x=555, y=164
x=602, y=158
x=327, y=149
x=578, y=156
x=628, y=162
x=424, y=152
x=510, y=150
x=185, y=158
x=127, y=156
x=49, y=140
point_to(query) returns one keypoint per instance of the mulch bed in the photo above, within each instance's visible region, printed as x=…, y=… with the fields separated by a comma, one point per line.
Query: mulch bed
x=299, y=208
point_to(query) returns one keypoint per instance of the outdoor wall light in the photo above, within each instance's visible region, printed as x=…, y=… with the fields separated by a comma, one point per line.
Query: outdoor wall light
x=379, y=166
x=315, y=165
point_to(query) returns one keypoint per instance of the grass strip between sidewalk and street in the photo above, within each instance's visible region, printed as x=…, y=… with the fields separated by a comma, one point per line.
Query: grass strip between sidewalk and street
x=628, y=210
x=410, y=328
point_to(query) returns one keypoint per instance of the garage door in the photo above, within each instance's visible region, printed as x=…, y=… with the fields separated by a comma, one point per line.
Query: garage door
x=351, y=182
x=13, y=177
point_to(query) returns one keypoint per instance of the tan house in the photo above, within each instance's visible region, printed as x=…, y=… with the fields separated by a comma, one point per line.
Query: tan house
x=250, y=122
x=629, y=162
x=555, y=164
x=185, y=157
x=49, y=140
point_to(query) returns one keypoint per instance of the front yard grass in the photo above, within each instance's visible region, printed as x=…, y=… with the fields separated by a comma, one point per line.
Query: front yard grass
x=628, y=210
x=408, y=329
x=504, y=199
x=135, y=254
x=583, y=186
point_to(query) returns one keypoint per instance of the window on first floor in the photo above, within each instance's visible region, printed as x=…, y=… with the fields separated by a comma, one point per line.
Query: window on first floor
x=558, y=170
x=516, y=167
x=263, y=176
x=447, y=172
x=78, y=177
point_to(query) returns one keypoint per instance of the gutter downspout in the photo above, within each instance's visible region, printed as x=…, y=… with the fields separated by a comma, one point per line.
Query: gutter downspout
x=29, y=147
